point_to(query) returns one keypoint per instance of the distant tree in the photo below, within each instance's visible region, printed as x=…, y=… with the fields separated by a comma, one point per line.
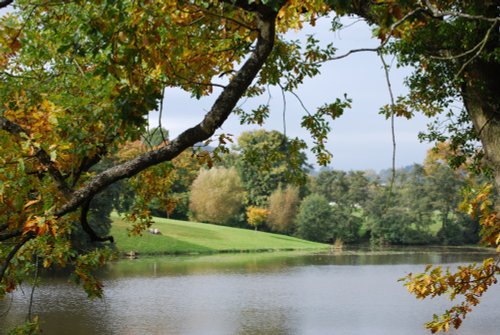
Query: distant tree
x=345, y=225
x=348, y=194
x=314, y=221
x=217, y=196
x=333, y=185
x=257, y=216
x=268, y=159
x=283, y=207
x=358, y=183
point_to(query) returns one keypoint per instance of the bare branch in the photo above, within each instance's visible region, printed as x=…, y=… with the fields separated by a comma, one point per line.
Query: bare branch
x=479, y=46
x=86, y=227
x=379, y=48
x=393, y=134
x=436, y=13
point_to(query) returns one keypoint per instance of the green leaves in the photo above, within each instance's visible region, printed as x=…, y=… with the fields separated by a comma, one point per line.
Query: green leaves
x=257, y=116
x=318, y=126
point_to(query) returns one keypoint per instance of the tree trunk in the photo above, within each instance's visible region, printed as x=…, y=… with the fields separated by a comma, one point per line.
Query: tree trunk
x=481, y=97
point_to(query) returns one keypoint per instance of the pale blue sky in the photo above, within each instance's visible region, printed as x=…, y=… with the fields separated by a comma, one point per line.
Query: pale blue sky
x=361, y=138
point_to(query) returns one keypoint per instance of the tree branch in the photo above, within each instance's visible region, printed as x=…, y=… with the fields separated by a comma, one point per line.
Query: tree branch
x=12, y=253
x=219, y=112
x=436, y=13
x=8, y=236
x=5, y=3
x=86, y=227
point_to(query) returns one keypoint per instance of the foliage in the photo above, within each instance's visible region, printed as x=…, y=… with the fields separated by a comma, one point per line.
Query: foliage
x=268, y=159
x=79, y=79
x=469, y=282
x=348, y=193
x=346, y=225
x=31, y=327
x=314, y=221
x=283, y=207
x=217, y=196
x=257, y=216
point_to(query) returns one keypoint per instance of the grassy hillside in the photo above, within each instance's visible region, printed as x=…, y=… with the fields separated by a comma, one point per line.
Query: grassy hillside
x=181, y=237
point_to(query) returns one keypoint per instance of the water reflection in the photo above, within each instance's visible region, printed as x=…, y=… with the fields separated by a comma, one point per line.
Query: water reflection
x=350, y=293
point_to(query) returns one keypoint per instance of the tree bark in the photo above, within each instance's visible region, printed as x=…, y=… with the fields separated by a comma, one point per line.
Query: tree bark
x=480, y=93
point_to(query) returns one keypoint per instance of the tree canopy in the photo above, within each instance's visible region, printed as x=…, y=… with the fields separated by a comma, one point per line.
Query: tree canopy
x=80, y=77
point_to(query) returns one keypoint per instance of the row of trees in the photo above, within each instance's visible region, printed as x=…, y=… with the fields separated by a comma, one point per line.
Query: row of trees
x=249, y=188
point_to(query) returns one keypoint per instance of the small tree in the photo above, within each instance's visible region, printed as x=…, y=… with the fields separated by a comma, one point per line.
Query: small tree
x=314, y=221
x=257, y=216
x=217, y=196
x=283, y=207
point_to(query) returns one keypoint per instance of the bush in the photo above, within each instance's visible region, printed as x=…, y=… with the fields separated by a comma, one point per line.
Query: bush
x=217, y=196
x=283, y=207
x=314, y=221
x=345, y=225
x=257, y=216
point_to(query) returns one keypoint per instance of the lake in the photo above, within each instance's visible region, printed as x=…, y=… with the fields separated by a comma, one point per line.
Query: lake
x=353, y=292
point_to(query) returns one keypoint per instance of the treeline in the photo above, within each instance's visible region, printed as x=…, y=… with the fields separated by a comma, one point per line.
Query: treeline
x=263, y=182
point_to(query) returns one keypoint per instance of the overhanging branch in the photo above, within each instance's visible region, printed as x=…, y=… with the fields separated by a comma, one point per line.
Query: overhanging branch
x=88, y=229
x=219, y=112
x=5, y=3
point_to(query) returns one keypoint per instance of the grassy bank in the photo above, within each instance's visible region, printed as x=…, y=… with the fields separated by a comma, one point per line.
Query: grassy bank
x=181, y=237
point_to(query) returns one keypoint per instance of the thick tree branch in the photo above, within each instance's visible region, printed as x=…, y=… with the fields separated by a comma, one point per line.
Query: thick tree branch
x=219, y=112
x=40, y=154
x=86, y=227
x=5, y=237
x=5, y=3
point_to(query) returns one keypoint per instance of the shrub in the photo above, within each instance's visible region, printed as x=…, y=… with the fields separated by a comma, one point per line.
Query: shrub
x=217, y=196
x=314, y=221
x=256, y=216
x=283, y=207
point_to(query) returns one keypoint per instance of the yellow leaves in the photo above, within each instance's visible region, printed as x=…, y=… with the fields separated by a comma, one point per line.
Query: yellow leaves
x=31, y=202
x=257, y=216
x=40, y=225
x=478, y=204
x=294, y=13
x=468, y=282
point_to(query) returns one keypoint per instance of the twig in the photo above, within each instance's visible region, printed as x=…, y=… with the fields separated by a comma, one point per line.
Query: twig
x=439, y=14
x=33, y=288
x=160, y=115
x=393, y=134
x=12, y=253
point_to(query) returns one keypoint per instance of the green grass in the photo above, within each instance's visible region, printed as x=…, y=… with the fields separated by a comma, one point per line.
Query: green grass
x=181, y=237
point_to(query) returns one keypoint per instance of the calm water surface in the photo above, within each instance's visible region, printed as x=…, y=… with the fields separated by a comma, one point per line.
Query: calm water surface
x=354, y=292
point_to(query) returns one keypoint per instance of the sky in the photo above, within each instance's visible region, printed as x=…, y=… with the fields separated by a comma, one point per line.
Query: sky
x=360, y=139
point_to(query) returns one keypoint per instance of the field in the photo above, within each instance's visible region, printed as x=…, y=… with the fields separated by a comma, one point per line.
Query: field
x=181, y=237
